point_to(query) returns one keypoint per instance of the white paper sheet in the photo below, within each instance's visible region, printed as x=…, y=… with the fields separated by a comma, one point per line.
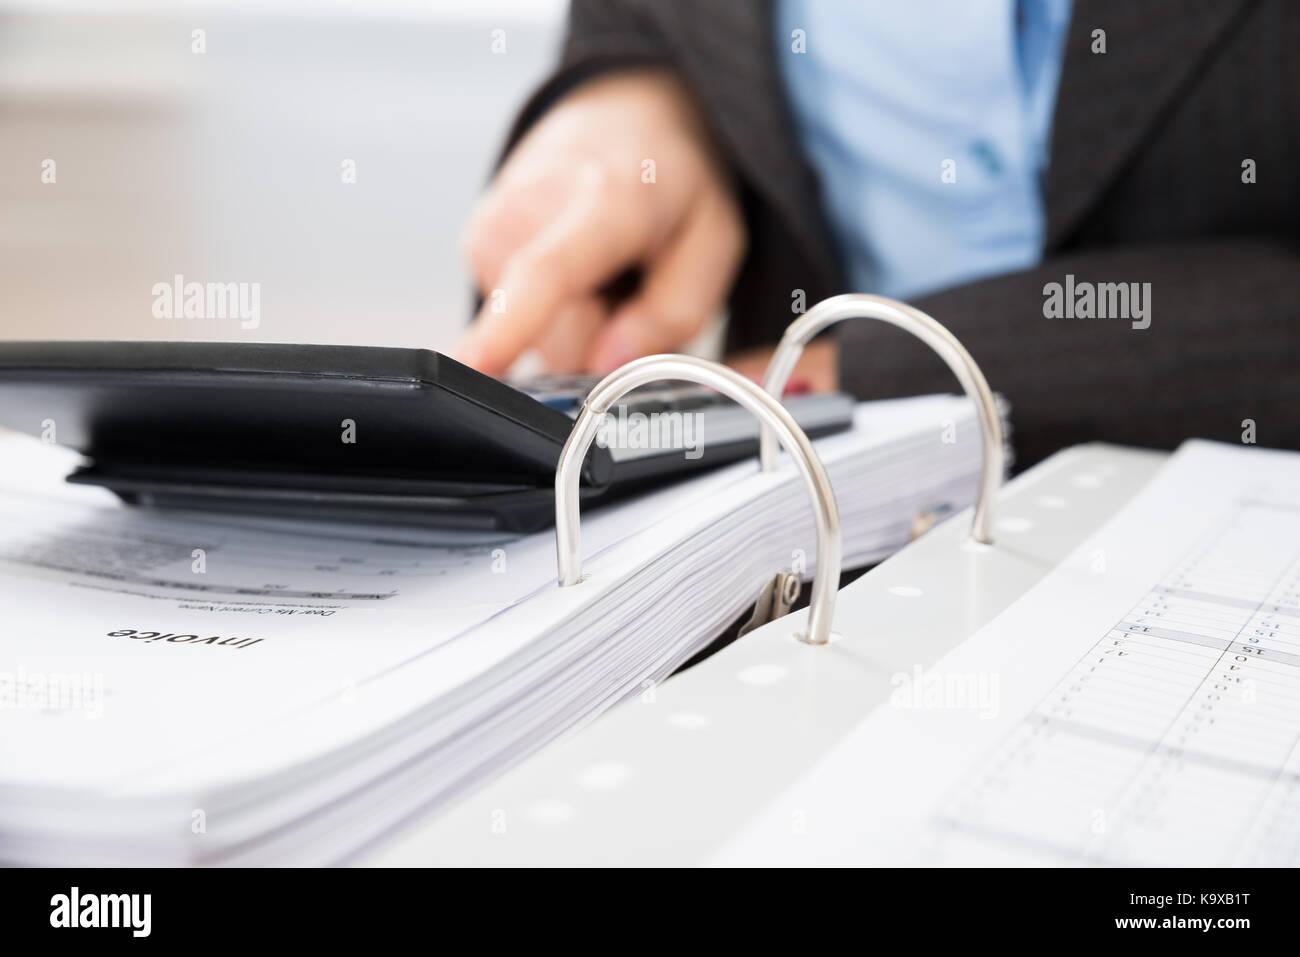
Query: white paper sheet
x=1140, y=705
x=366, y=665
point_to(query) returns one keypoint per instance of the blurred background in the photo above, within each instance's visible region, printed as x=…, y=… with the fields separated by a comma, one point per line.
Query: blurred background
x=227, y=165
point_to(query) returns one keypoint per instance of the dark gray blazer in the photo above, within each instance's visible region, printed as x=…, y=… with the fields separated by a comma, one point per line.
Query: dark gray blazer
x=1145, y=185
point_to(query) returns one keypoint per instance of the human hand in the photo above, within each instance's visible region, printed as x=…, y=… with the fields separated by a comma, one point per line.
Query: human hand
x=571, y=209
x=816, y=370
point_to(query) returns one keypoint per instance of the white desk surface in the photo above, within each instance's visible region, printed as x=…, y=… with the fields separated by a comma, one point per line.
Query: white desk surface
x=666, y=778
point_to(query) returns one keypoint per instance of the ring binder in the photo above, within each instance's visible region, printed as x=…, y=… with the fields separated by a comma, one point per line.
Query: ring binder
x=770, y=414
x=863, y=306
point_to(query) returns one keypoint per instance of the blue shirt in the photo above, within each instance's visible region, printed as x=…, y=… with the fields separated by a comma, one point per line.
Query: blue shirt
x=892, y=99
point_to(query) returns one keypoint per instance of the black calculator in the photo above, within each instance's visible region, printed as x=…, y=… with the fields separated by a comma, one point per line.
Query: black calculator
x=358, y=433
x=664, y=429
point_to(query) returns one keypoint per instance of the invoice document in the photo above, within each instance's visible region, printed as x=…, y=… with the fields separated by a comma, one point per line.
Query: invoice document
x=182, y=687
x=1140, y=705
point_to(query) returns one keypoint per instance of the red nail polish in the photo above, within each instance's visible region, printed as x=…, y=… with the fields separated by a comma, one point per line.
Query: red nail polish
x=797, y=387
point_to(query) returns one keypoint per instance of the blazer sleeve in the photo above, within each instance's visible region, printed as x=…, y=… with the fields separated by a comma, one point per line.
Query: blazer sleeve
x=1223, y=347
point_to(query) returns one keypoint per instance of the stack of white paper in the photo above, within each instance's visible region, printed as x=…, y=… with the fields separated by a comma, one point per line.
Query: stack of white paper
x=177, y=687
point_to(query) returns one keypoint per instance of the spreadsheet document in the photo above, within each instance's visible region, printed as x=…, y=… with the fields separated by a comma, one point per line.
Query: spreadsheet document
x=1140, y=705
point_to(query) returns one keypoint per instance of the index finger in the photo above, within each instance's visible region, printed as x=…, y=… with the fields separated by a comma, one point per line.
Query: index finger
x=591, y=241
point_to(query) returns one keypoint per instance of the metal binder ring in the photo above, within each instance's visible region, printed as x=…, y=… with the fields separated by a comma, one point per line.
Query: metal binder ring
x=770, y=413
x=861, y=306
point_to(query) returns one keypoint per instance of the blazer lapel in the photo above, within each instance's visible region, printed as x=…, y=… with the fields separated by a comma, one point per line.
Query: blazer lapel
x=733, y=64
x=1108, y=102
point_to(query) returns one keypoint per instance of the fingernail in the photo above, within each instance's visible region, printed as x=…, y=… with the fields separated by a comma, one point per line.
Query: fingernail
x=618, y=351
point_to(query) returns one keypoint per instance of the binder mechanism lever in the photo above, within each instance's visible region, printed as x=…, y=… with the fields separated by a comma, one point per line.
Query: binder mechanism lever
x=861, y=306
x=771, y=416
x=775, y=599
